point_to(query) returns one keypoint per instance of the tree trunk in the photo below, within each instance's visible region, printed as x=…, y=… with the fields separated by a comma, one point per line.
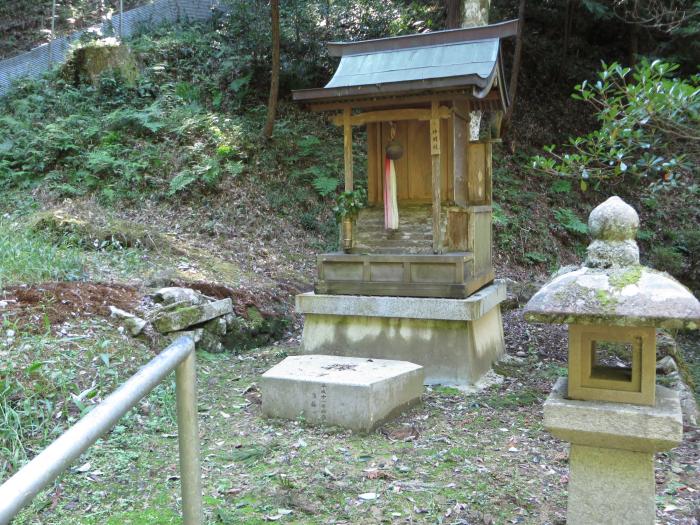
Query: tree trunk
x=633, y=44
x=568, y=21
x=513, y=85
x=476, y=13
x=454, y=14
x=275, y=74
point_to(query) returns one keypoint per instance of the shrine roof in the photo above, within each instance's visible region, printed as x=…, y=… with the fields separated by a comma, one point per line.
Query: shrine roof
x=456, y=58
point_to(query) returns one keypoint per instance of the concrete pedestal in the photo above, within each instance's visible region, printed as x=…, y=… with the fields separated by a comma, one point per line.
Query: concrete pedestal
x=350, y=392
x=455, y=340
x=611, y=463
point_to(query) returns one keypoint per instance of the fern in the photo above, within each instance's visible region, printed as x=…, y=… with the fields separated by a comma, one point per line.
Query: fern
x=561, y=186
x=181, y=181
x=309, y=145
x=324, y=185
x=568, y=219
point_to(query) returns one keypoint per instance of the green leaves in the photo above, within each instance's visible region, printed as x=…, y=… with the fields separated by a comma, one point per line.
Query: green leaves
x=349, y=204
x=561, y=186
x=649, y=127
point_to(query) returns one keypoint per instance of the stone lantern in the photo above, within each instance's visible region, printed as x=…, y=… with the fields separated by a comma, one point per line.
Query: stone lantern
x=615, y=417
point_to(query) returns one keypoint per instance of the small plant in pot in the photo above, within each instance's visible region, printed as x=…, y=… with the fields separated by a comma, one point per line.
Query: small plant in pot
x=347, y=206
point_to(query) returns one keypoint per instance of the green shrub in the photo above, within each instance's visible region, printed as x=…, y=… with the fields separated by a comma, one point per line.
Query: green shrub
x=648, y=119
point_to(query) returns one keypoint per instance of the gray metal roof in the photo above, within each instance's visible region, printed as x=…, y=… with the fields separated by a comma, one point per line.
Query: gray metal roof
x=452, y=59
x=462, y=59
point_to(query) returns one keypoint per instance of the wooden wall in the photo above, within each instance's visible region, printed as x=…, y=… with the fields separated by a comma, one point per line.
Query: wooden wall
x=413, y=170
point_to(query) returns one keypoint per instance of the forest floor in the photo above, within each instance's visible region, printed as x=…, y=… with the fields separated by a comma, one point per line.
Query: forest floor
x=457, y=458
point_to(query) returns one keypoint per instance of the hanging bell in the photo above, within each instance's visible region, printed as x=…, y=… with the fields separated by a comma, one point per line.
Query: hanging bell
x=394, y=150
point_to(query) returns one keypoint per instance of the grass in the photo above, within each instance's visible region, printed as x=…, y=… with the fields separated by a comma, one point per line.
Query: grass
x=29, y=257
x=48, y=381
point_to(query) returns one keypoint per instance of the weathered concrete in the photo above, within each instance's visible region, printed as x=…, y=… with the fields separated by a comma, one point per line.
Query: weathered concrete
x=615, y=425
x=613, y=220
x=452, y=352
x=350, y=392
x=618, y=419
x=611, y=470
x=633, y=296
x=184, y=316
x=469, y=309
x=610, y=486
x=455, y=340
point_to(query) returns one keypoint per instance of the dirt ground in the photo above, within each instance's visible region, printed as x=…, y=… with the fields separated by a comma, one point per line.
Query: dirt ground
x=54, y=303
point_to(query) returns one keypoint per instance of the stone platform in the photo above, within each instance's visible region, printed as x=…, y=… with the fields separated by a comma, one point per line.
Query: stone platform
x=355, y=393
x=611, y=462
x=455, y=340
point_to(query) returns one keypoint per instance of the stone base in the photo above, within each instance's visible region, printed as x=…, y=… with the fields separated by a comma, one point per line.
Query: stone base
x=455, y=340
x=355, y=393
x=623, y=426
x=610, y=486
x=611, y=463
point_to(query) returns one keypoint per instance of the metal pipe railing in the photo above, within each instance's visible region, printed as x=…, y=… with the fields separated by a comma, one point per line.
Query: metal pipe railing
x=20, y=489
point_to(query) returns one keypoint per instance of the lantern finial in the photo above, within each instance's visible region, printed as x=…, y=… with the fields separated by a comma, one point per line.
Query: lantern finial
x=613, y=226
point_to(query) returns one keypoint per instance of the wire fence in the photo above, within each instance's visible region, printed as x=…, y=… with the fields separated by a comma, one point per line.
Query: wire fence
x=36, y=62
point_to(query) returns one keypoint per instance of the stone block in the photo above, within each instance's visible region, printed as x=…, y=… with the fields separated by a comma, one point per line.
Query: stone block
x=355, y=393
x=637, y=428
x=473, y=307
x=210, y=342
x=176, y=294
x=216, y=326
x=611, y=467
x=185, y=316
x=453, y=352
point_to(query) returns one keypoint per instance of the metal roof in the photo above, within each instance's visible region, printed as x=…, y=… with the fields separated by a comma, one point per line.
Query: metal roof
x=419, y=63
x=456, y=58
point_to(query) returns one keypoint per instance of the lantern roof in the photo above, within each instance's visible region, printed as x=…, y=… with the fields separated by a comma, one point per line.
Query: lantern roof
x=612, y=288
x=441, y=60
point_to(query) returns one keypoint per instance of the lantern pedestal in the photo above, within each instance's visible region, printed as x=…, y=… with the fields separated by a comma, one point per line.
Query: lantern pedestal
x=611, y=463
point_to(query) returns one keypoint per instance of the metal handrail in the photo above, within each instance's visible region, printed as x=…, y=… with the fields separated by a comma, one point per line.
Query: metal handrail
x=20, y=489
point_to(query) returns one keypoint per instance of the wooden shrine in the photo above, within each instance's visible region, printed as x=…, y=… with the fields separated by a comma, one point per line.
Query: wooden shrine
x=417, y=94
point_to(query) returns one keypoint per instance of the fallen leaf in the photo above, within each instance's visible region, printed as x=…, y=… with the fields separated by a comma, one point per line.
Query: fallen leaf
x=374, y=473
x=83, y=468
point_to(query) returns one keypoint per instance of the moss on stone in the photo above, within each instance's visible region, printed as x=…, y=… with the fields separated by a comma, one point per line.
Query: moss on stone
x=606, y=300
x=626, y=276
x=90, y=60
x=175, y=320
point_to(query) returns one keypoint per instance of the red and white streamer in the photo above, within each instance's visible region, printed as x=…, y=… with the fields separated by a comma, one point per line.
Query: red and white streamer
x=391, y=208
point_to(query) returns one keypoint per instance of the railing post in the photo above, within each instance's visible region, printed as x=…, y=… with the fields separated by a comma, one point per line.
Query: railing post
x=188, y=441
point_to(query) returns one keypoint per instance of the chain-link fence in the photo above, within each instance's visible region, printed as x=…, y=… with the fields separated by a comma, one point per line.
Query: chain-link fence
x=36, y=62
